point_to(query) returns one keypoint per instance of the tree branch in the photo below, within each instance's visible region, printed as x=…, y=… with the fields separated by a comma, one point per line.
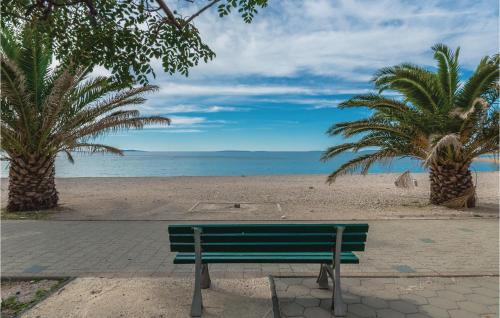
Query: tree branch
x=172, y=20
x=170, y=15
x=200, y=12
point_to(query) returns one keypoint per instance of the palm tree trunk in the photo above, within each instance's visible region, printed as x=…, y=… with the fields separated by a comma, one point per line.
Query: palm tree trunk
x=31, y=184
x=452, y=186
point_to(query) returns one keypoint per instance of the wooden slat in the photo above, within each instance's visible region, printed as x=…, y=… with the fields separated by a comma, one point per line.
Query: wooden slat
x=270, y=228
x=268, y=247
x=304, y=258
x=266, y=237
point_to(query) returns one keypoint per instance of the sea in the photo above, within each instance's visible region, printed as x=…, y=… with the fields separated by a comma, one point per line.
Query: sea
x=220, y=163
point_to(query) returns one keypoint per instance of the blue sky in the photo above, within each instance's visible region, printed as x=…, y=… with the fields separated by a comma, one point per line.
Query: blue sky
x=275, y=83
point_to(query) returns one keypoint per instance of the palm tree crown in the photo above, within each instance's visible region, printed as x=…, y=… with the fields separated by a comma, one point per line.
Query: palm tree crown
x=435, y=118
x=47, y=110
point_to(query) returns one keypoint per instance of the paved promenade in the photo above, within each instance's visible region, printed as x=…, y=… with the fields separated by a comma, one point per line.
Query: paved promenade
x=141, y=248
x=421, y=297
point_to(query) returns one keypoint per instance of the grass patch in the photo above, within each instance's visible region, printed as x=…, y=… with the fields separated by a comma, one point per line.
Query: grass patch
x=31, y=215
x=12, y=306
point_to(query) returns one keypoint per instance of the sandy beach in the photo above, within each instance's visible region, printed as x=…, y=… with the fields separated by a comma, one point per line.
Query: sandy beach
x=293, y=197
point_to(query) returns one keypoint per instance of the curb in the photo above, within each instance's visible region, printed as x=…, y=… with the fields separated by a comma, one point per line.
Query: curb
x=391, y=218
x=274, y=297
x=64, y=281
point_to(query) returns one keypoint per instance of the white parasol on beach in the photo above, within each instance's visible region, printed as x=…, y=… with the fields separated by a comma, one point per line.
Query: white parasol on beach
x=405, y=181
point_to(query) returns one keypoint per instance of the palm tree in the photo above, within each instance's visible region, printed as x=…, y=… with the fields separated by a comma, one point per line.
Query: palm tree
x=48, y=110
x=435, y=118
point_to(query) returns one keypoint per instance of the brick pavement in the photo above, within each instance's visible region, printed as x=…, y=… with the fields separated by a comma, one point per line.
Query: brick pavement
x=140, y=248
x=423, y=297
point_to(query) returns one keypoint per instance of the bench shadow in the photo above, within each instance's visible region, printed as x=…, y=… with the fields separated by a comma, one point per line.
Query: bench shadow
x=364, y=297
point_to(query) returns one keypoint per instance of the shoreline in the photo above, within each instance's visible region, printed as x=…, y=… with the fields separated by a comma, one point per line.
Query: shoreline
x=325, y=175
x=261, y=198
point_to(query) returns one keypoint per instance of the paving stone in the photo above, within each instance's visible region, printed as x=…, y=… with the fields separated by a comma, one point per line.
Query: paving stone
x=481, y=299
x=443, y=303
x=473, y=307
x=402, y=306
x=457, y=313
x=293, y=280
x=349, y=282
x=404, y=268
x=472, y=283
x=389, y=313
x=292, y=309
x=362, y=310
x=351, y=298
x=414, y=298
x=460, y=288
x=374, y=302
x=279, y=285
x=367, y=283
x=298, y=290
x=427, y=293
x=307, y=302
x=351, y=315
x=433, y=311
x=489, y=315
x=485, y=291
x=321, y=293
x=326, y=304
x=317, y=312
x=310, y=282
x=417, y=315
x=494, y=308
x=492, y=283
x=451, y=295
x=386, y=294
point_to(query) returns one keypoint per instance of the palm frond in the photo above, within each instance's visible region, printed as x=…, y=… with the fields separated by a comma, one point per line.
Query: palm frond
x=484, y=78
x=93, y=148
x=448, y=70
x=436, y=119
x=363, y=162
x=46, y=110
x=376, y=102
x=336, y=150
x=418, y=85
x=69, y=156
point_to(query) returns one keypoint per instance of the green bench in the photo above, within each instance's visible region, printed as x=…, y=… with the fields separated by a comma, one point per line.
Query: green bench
x=325, y=244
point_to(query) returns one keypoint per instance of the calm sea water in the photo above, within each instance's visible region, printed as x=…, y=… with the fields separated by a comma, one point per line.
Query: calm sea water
x=224, y=163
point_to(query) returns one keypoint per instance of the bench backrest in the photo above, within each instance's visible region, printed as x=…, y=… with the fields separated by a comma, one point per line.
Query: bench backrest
x=248, y=238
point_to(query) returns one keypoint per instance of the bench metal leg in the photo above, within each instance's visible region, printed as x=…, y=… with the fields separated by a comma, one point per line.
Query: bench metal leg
x=339, y=307
x=322, y=279
x=197, y=304
x=205, y=277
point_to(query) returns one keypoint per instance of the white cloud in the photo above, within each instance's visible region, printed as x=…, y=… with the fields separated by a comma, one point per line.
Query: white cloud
x=182, y=131
x=347, y=39
x=101, y=71
x=180, y=120
x=182, y=108
x=175, y=89
x=186, y=124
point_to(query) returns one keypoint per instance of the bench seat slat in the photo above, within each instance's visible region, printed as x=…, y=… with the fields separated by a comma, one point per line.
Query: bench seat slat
x=268, y=247
x=266, y=237
x=258, y=228
x=305, y=258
